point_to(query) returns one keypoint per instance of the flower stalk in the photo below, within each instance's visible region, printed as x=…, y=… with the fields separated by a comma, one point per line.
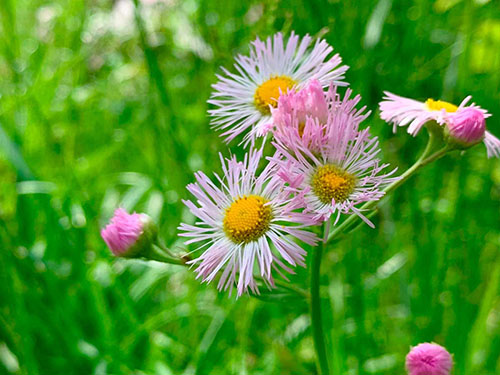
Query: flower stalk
x=162, y=254
x=431, y=153
x=315, y=309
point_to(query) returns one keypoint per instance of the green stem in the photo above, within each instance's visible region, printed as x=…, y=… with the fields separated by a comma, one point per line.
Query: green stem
x=424, y=159
x=160, y=255
x=316, y=320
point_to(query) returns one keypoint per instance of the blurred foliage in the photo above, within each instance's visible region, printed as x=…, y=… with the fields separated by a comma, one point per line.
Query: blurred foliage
x=104, y=104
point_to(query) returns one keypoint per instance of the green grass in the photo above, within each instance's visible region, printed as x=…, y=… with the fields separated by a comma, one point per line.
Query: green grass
x=92, y=117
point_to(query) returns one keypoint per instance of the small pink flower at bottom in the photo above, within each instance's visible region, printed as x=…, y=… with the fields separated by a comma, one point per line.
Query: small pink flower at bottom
x=129, y=235
x=428, y=359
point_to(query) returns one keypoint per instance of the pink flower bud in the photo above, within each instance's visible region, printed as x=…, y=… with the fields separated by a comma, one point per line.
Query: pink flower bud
x=466, y=126
x=308, y=102
x=428, y=359
x=129, y=235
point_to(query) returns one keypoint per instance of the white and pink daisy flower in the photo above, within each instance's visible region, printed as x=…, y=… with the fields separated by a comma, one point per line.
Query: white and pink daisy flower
x=464, y=123
x=404, y=111
x=244, y=99
x=343, y=172
x=248, y=222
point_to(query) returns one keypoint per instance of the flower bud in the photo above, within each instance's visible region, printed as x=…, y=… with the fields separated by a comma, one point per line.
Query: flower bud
x=428, y=359
x=308, y=102
x=466, y=127
x=130, y=235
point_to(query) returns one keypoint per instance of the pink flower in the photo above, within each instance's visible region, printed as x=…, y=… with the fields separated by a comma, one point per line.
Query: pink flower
x=246, y=223
x=467, y=127
x=404, y=111
x=428, y=359
x=340, y=172
x=129, y=235
x=303, y=117
x=465, y=123
x=308, y=102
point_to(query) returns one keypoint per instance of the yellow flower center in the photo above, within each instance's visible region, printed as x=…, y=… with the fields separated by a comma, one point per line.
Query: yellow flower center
x=437, y=105
x=269, y=92
x=247, y=219
x=330, y=182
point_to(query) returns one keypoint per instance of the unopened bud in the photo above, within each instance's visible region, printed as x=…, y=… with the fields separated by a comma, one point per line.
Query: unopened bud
x=428, y=359
x=130, y=235
x=466, y=127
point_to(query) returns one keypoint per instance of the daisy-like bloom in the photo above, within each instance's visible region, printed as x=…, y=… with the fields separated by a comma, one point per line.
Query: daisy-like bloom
x=343, y=173
x=404, y=111
x=465, y=123
x=129, y=235
x=248, y=222
x=428, y=359
x=244, y=99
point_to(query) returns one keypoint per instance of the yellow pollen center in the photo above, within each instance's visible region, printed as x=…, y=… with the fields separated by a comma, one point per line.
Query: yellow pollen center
x=247, y=219
x=269, y=92
x=332, y=183
x=437, y=105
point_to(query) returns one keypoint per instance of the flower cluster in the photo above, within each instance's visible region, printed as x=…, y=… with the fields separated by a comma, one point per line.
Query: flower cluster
x=323, y=163
x=260, y=215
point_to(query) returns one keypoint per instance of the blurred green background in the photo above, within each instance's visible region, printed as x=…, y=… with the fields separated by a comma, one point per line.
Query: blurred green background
x=104, y=104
